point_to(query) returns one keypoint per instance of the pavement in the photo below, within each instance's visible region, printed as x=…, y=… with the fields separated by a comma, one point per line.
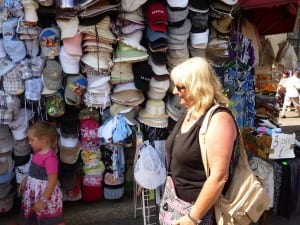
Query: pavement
x=123, y=211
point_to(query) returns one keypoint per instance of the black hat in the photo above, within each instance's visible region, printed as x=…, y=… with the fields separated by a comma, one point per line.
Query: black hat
x=69, y=125
x=142, y=75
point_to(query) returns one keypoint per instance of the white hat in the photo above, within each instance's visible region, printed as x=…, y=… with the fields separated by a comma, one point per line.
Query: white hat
x=69, y=63
x=153, y=109
x=199, y=40
x=30, y=7
x=68, y=28
x=158, y=69
x=134, y=39
x=149, y=171
x=178, y=3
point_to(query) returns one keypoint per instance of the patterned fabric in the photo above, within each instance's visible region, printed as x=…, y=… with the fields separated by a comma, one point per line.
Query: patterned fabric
x=51, y=214
x=172, y=207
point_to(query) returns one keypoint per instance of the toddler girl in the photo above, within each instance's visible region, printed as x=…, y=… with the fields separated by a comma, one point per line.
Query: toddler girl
x=42, y=198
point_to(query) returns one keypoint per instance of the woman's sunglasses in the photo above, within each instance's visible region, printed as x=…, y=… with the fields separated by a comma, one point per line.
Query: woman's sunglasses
x=179, y=88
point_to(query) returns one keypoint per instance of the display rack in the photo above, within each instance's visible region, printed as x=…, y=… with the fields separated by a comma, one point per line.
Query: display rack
x=145, y=201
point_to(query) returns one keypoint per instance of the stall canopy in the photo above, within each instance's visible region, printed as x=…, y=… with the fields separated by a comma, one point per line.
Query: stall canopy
x=272, y=16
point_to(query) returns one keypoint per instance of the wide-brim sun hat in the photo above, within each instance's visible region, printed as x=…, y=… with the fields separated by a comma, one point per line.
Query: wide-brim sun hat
x=154, y=109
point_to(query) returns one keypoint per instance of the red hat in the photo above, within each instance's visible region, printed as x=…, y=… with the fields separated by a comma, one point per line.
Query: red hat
x=157, y=17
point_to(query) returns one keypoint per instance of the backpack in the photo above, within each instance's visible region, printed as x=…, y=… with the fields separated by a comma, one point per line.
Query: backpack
x=245, y=199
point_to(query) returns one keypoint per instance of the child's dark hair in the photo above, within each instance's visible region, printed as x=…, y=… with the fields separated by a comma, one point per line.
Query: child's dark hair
x=44, y=128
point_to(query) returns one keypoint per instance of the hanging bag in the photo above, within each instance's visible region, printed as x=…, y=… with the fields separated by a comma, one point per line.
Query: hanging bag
x=245, y=199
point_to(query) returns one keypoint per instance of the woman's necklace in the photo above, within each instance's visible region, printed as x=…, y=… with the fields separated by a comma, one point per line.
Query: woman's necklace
x=190, y=117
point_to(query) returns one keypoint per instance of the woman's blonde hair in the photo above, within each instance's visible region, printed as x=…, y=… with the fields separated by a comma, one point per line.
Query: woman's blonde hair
x=200, y=82
x=44, y=129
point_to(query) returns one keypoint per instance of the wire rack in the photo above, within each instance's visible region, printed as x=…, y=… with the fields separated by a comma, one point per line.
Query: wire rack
x=145, y=201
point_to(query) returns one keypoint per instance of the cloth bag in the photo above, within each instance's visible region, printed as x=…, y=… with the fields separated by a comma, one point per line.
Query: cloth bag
x=171, y=207
x=245, y=199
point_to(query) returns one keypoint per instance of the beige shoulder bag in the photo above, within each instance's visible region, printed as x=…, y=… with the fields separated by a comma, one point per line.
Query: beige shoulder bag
x=245, y=200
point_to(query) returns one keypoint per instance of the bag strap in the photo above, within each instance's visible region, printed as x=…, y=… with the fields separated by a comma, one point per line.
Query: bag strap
x=240, y=155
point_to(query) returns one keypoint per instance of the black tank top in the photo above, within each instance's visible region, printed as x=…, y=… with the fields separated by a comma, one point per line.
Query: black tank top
x=185, y=161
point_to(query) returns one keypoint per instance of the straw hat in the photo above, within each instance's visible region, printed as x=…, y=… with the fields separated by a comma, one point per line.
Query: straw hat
x=102, y=29
x=154, y=109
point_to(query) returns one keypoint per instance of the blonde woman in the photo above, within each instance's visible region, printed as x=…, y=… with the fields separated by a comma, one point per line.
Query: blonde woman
x=198, y=88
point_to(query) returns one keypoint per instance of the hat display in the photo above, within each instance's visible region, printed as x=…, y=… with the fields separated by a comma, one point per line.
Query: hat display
x=157, y=16
x=50, y=42
x=52, y=75
x=68, y=27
